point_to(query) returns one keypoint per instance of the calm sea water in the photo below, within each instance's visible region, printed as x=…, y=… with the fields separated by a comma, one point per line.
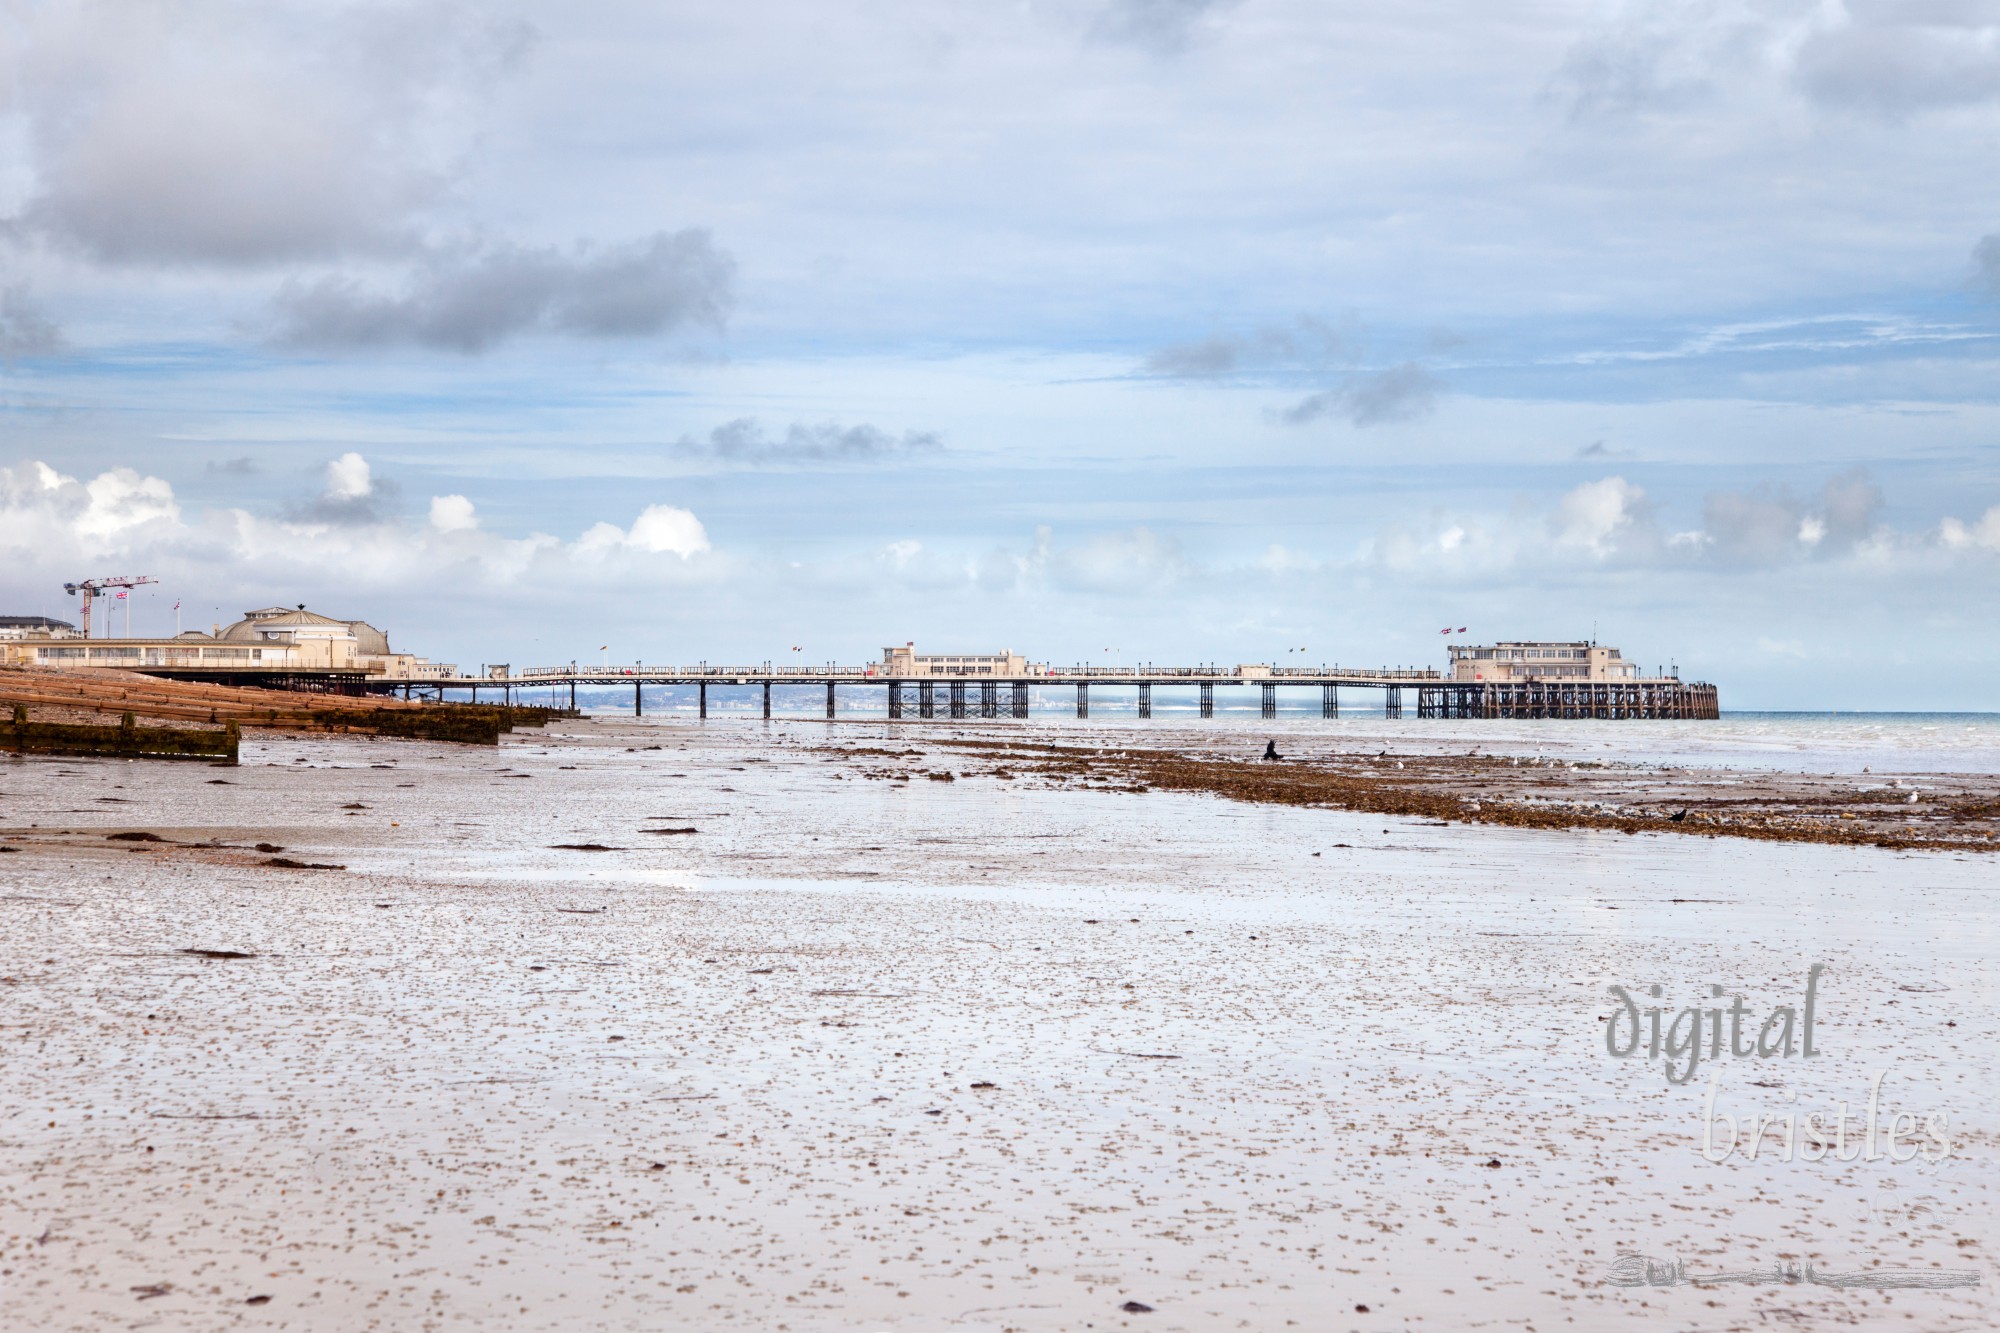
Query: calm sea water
x=1845, y=742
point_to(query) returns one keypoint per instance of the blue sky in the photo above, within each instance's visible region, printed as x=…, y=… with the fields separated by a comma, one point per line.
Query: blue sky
x=1186, y=329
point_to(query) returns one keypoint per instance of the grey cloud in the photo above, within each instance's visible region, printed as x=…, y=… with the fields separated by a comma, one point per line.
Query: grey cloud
x=1760, y=527
x=1400, y=393
x=471, y=299
x=1657, y=57
x=1767, y=526
x=744, y=441
x=293, y=135
x=1850, y=507
x=1163, y=27
x=1986, y=264
x=1304, y=342
x=24, y=329
x=1217, y=354
x=1885, y=57
x=376, y=505
x=1894, y=60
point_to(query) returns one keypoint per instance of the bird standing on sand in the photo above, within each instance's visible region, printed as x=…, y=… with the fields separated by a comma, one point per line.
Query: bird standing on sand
x=1271, y=750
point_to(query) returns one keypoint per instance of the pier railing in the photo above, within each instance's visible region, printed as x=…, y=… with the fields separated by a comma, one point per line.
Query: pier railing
x=1033, y=671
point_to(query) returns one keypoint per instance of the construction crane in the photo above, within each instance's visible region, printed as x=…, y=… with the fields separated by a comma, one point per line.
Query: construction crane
x=91, y=587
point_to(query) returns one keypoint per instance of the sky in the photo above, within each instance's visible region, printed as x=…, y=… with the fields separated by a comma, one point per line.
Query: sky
x=1101, y=330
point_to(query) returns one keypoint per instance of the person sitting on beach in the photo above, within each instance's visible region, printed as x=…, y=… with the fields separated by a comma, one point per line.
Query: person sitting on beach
x=1271, y=750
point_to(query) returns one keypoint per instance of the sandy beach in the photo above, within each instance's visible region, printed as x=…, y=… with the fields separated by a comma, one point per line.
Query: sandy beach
x=658, y=1024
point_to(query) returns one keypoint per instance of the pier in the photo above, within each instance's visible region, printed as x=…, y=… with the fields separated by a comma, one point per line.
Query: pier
x=984, y=694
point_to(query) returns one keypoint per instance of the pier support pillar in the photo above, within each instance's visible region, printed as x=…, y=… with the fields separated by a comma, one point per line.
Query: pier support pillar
x=1270, y=701
x=703, y=688
x=989, y=698
x=895, y=698
x=1020, y=698
x=926, y=699
x=1392, y=701
x=572, y=696
x=1083, y=699
x=767, y=701
x=1145, y=700
x=1329, y=701
x=637, y=709
x=829, y=698
x=1208, y=698
x=958, y=698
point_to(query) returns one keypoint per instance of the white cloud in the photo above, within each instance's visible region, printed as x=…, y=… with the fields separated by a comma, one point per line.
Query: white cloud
x=49, y=521
x=348, y=478
x=1983, y=533
x=665, y=528
x=1596, y=514
x=453, y=513
x=660, y=529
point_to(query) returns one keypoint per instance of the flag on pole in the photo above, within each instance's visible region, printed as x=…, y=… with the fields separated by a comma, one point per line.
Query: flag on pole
x=121, y=596
x=1461, y=629
x=177, y=606
x=1445, y=630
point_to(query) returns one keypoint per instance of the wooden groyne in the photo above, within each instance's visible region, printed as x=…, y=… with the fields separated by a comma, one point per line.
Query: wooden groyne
x=117, y=692
x=127, y=740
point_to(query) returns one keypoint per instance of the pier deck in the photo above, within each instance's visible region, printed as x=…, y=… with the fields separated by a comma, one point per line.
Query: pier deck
x=995, y=696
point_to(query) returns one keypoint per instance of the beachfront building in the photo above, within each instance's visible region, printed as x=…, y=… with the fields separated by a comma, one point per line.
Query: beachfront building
x=1571, y=662
x=906, y=662
x=273, y=640
x=35, y=627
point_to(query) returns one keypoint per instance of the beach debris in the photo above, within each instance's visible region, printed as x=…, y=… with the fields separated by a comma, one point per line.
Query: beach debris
x=287, y=863
x=581, y=911
x=977, y=1086
x=1271, y=750
x=152, y=1289
x=667, y=830
x=1679, y=816
x=582, y=847
x=218, y=953
x=1495, y=1161
x=268, y=847
x=133, y=837
x=1136, y=1307
x=1138, y=1055
x=257, y=1300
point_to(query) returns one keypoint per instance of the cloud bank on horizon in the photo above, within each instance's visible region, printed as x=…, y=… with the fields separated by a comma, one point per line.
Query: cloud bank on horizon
x=1204, y=324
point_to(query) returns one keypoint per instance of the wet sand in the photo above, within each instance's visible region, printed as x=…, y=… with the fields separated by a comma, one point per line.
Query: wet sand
x=1254, y=1065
